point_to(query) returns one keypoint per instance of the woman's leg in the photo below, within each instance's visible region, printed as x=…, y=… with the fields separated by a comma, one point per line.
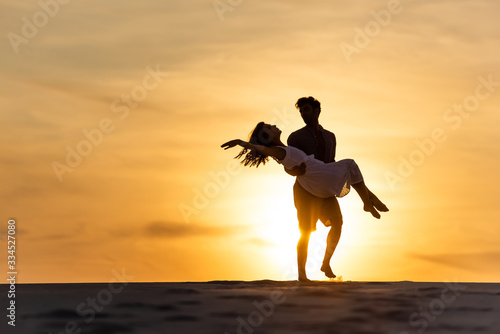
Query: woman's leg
x=371, y=202
x=362, y=190
x=376, y=202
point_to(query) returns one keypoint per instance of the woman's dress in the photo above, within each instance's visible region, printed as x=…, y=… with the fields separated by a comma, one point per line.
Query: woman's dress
x=323, y=179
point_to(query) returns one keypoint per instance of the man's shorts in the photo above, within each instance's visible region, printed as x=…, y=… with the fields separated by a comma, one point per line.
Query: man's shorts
x=311, y=208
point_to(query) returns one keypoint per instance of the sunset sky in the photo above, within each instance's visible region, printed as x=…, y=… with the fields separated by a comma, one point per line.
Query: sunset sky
x=411, y=90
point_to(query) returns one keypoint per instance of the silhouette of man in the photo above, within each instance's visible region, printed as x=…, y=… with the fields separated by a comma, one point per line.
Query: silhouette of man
x=313, y=139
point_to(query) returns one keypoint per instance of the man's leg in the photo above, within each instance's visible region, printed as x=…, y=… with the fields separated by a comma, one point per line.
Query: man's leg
x=302, y=247
x=308, y=209
x=330, y=212
x=332, y=241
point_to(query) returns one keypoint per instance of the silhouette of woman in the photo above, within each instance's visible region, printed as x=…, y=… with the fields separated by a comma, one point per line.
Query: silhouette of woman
x=320, y=179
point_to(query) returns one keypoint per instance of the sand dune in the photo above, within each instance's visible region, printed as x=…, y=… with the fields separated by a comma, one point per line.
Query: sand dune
x=257, y=307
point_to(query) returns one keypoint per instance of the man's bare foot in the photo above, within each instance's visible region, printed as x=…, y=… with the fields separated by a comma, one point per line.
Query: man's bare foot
x=327, y=270
x=371, y=209
x=378, y=203
x=304, y=279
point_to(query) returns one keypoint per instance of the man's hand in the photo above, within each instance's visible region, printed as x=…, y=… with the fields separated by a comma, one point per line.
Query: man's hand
x=297, y=170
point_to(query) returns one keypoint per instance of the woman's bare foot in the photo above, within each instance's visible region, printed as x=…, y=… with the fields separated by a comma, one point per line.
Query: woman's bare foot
x=328, y=270
x=371, y=209
x=304, y=279
x=378, y=203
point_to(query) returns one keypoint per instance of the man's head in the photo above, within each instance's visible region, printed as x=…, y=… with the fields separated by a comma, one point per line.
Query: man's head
x=309, y=108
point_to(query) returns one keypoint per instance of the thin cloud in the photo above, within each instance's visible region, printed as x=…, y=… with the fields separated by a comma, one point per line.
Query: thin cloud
x=221, y=72
x=261, y=242
x=467, y=261
x=163, y=229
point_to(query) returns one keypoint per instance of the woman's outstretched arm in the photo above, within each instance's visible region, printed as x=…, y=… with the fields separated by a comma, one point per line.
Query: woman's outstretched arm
x=273, y=151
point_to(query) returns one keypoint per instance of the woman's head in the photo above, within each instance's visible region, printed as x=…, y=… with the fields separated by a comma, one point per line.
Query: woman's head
x=263, y=134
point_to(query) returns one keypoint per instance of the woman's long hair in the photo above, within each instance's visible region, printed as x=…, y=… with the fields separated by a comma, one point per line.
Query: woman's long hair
x=258, y=137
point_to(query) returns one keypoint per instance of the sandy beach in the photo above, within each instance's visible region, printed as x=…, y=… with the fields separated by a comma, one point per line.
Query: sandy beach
x=256, y=307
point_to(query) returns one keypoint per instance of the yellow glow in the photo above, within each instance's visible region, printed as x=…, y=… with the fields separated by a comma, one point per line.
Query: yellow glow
x=277, y=224
x=224, y=77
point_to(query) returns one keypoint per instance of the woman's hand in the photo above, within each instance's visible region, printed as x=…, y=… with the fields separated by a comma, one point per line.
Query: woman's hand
x=231, y=143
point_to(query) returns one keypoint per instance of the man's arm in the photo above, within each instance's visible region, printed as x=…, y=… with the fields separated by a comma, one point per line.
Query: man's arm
x=300, y=169
x=293, y=141
x=333, y=143
x=297, y=170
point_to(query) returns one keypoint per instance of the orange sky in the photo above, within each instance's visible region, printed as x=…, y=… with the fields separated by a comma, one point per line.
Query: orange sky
x=410, y=90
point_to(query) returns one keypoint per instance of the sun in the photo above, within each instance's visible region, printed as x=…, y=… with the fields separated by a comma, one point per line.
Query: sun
x=272, y=214
x=276, y=224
